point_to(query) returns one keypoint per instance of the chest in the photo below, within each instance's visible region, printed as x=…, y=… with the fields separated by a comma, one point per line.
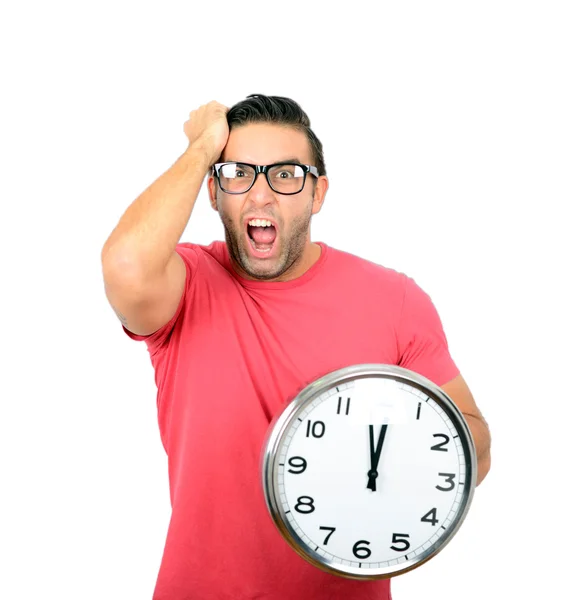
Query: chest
x=275, y=346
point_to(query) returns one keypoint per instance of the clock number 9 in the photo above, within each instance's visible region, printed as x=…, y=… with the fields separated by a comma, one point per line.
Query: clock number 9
x=297, y=462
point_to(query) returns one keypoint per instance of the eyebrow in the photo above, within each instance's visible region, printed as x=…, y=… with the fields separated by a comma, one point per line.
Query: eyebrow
x=277, y=162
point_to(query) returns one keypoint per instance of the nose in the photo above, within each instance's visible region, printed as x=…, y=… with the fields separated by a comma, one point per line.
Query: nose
x=261, y=192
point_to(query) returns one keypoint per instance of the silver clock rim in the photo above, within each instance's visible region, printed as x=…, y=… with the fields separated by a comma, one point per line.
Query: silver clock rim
x=274, y=440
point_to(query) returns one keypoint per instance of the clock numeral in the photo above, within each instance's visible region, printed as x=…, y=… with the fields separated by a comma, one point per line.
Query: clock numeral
x=433, y=517
x=361, y=551
x=449, y=478
x=331, y=529
x=297, y=462
x=440, y=445
x=396, y=540
x=316, y=429
x=419, y=412
x=346, y=407
x=304, y=505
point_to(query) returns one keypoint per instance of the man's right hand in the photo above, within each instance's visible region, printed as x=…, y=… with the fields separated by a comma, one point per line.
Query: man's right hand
x=207, y=128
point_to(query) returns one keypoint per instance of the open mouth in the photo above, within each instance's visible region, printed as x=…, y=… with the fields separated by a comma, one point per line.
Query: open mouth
x=262, y=235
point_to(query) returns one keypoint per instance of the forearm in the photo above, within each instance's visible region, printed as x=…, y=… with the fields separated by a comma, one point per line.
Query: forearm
x=482, y=442
x=149, y=230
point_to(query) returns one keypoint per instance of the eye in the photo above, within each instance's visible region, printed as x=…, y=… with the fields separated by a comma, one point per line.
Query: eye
x=240, y=171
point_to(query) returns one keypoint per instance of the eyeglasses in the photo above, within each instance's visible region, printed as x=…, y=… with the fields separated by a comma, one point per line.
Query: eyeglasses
x=283, y=178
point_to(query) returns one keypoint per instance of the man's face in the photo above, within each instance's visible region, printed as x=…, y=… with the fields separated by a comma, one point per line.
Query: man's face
x=286, y=255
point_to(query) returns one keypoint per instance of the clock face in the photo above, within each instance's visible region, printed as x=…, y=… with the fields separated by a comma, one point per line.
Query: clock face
x=369, y=475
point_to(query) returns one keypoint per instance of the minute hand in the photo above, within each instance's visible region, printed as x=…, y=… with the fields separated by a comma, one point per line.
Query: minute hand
x=375, y=456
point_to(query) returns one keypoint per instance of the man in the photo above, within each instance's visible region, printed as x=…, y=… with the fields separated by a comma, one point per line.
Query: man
x=235, y=330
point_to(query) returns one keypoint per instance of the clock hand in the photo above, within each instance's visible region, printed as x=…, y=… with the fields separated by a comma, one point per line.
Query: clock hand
x=372, y=473
x=375, y=456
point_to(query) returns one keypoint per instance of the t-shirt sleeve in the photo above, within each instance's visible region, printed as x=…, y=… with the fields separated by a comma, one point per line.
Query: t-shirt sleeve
x=158, y=339
x=422, y=344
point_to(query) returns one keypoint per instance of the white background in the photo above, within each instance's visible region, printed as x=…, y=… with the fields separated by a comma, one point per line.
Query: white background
x=455, y=138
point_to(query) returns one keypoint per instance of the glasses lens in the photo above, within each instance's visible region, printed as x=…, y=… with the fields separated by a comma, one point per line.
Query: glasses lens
x=286, y=179
x=236, y=178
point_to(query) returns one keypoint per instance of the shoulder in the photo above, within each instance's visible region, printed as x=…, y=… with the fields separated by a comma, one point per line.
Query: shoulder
x=197, y=254
x=362, y=270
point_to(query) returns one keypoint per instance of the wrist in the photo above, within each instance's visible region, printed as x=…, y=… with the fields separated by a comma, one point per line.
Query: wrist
x=199, y=154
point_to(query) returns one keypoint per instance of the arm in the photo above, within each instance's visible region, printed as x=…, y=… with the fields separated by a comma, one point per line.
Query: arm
x=148, y=232
x=423, y=348
x=144, y=276
x=458, y=390
x=144, y=240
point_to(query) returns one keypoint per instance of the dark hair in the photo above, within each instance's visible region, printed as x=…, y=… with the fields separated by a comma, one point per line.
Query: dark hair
x=257, y=108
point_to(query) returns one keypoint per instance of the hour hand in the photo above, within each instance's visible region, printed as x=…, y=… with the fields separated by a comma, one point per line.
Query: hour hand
x=375, y=456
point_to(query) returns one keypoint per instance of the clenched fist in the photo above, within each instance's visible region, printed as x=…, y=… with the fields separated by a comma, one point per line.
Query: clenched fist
x=207, y=127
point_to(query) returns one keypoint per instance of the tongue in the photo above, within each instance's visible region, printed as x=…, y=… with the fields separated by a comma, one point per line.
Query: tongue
x=263, y=235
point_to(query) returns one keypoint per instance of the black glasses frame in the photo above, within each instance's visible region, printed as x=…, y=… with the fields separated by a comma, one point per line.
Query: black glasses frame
x=264, y=169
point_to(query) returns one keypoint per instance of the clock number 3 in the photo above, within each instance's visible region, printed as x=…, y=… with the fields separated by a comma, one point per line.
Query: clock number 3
x=450, y=479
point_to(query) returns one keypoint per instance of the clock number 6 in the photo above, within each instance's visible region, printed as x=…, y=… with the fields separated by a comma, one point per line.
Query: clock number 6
x=357, y=549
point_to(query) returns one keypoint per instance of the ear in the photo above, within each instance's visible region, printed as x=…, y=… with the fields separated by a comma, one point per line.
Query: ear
x=212, y=191
x=320, y=190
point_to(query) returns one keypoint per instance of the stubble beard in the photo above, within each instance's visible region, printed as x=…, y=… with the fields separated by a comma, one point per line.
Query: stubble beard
x=291, y=251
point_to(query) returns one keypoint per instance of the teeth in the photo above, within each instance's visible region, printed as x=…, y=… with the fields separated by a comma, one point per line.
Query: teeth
x=261, y=249
x=259, y=223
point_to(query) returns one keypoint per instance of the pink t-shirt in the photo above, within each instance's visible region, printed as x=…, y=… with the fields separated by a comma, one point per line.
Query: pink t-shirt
x=234, y=354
